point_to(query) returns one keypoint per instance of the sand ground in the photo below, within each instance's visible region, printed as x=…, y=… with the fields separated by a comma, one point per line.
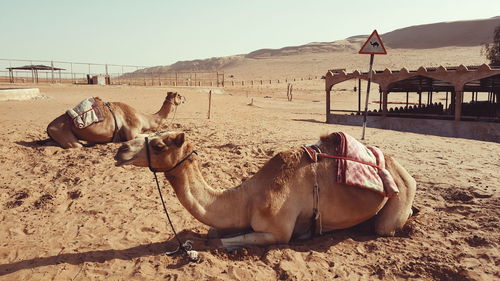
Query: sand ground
x=73, y=215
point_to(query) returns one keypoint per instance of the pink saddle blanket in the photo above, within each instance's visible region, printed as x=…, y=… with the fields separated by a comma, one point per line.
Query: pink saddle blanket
x=358, y=165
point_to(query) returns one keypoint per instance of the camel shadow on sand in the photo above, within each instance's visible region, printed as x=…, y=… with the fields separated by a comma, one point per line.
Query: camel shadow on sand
x=37, y=143
x=319, y=243
x=144, y=250
x=47, y=143
x=309, y=120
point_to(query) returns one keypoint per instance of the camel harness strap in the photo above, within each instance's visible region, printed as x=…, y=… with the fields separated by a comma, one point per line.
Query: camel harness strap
x=115, y=135
x=187, y=246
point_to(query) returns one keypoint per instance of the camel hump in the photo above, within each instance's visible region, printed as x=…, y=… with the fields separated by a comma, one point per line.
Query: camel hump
x=331, y=140
x=282, y=166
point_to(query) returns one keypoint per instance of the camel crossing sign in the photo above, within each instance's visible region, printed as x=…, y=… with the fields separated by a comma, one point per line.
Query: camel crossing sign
x=373, y=45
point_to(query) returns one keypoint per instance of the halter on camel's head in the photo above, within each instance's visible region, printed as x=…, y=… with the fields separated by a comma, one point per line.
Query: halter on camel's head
x=160, y=146
x=174, y=98
x=160, y=153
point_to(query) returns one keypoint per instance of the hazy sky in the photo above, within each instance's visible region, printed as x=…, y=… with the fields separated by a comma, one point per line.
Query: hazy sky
x=154, y=32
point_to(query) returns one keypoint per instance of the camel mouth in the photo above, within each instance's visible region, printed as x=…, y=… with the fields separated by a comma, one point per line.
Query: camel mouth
x=122, y=162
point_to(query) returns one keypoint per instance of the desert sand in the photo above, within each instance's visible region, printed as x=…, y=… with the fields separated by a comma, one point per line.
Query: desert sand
x=73, y=215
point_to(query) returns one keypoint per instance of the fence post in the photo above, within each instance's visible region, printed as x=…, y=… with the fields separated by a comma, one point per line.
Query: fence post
x=209, y=103
x=52, y=70
x=72, y=74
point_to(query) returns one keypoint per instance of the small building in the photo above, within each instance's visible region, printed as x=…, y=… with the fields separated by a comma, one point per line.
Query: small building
x=100, y=80
x=457, y=117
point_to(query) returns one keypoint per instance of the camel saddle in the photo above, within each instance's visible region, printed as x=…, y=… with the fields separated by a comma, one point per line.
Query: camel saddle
x=86, y=113
x=357, y=165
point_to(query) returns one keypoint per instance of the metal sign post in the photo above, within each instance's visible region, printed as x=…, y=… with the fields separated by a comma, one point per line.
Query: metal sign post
x=367, y=95
x=373, y=46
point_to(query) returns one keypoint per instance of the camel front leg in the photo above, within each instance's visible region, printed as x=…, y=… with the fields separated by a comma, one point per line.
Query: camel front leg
x=250, y=239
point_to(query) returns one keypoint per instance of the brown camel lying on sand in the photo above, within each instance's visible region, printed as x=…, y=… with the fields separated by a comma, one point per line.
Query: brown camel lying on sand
x=127, y=125
x=277, y=202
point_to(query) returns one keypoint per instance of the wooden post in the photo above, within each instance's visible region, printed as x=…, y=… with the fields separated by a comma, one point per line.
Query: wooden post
x=407, y=99
x=459, y=94
x=327, y=104
x=359, y=96
x=209, y=103
x=446, y=102
x=381, y=99
x=385, y=101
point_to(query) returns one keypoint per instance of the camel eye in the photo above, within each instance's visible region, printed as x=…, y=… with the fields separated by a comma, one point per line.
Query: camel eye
x=159, y=146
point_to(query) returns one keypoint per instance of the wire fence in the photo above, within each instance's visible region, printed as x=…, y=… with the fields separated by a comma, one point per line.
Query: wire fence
x=81, y=73
x=115, y=74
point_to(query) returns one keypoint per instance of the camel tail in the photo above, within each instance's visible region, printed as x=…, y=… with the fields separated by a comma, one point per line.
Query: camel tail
x=398, y=209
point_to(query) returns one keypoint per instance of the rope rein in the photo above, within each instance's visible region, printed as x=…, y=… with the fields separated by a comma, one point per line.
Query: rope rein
x=316, y=213
x=187, y=246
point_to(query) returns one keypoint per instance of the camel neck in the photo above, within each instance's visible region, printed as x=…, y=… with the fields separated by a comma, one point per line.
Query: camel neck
x=165, y=109
x=156, y=119
x=219, y=209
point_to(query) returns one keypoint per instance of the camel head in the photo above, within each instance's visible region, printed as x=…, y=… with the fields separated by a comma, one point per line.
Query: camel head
x=165, y=151
x=174, y=98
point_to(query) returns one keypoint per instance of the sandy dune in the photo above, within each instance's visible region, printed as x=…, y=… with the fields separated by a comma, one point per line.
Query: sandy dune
x=73, y=215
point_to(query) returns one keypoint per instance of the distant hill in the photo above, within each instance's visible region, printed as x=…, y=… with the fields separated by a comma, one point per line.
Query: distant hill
x=443, y=34
x=470, y=33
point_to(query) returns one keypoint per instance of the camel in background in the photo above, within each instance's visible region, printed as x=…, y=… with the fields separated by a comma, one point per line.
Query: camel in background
x=277, y=202
x=121, y=123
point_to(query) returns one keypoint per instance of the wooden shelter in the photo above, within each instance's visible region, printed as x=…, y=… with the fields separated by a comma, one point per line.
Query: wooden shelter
x=450, y=119
x=34, y=71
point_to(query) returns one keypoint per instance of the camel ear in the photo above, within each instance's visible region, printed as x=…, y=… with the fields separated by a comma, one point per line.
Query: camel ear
x=179, y=139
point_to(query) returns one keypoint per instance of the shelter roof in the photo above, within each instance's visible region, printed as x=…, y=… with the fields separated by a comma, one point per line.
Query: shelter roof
x=35, y=67
x=482, y=78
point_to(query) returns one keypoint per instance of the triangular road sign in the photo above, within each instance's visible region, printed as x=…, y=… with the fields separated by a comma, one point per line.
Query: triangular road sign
x=373, y=45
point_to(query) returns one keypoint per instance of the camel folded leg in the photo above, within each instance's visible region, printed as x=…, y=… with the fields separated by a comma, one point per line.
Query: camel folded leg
x=60, y=131
x=398, y=209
